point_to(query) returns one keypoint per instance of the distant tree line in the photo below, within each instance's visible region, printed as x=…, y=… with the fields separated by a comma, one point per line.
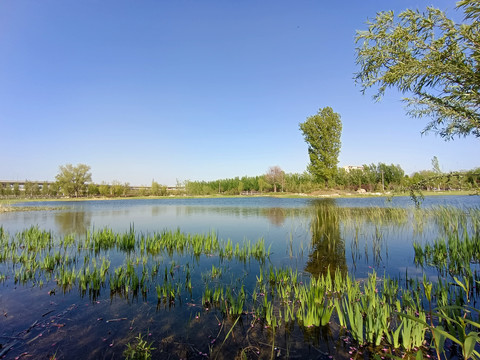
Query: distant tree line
x=371, y=178
x=31, y=190
x=76, y=181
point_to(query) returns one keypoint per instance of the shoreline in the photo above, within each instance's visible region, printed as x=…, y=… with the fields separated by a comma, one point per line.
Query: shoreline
x=6, y=204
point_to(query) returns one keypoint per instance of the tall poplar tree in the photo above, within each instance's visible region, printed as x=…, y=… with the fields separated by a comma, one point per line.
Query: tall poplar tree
x=322, y=133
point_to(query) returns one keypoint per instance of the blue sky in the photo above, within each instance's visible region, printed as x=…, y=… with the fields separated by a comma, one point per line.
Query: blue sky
x=195, y=90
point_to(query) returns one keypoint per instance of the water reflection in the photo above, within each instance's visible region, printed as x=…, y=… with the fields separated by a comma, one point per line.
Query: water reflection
x=77, y=222
x=328, y=247
x=276, y=216
x=365, y=229
x=158, y=210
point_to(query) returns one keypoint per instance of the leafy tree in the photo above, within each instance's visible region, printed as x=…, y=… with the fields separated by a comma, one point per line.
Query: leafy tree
x=275, y=176
x=53, y=189
x=322, y=134
x=371, y=177
x=473, y=178
x=390, y=174
x=6, y=190
x=16, y=189
x=356, y=177
x=160, y=190
x=430, y=57
x=104, y=189
x=155, y=188
x=28, y=190
x=126, y=188
x=45, y=189
x=262, y=184
x=73, y=179
x=422, y=180
x=117, y=189
x=93, y=190
x=240, y=187
x=299, y=183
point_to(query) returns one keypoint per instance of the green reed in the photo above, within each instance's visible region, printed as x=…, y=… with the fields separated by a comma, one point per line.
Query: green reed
x=457, y=246
x=140, y=349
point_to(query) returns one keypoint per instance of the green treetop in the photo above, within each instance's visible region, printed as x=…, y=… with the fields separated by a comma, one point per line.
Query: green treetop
x=322, y=134
x=73, y=179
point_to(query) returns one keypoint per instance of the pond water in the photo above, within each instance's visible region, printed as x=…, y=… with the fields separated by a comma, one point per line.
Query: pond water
x=43, y=320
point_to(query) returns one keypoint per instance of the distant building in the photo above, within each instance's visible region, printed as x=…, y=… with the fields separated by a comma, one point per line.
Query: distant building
x=349, y=168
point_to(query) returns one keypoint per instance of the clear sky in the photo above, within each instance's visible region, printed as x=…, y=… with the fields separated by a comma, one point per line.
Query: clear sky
x=195, y=90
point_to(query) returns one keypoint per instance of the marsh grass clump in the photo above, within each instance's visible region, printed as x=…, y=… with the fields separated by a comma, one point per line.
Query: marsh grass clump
x=34, y=239
x=41, y=256
x=457, y=246
x=351, y=217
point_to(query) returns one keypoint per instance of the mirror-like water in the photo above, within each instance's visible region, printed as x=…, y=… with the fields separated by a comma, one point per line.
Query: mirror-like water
x=357, y=236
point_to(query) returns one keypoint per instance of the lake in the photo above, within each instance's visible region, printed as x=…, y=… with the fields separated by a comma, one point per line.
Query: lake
x=45, y=318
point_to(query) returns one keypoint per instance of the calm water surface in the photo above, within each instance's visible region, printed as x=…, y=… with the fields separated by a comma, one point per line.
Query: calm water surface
x=298, y=231
x=285, y=224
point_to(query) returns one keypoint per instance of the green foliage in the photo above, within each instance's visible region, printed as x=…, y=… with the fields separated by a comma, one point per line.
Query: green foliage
x=45, y=189
x=139, y=350
x=31, y=189
x=431, y=180
x=93, y=190
x=322, y=134
x=275, y=176
x=372, y=177
x=458, y=244
x=53, y=189
x=104, y=189
x=430, y=57
x=73, y=179
x=118, y=189
x=297, y=183
x=157, y=189
x=16, y=189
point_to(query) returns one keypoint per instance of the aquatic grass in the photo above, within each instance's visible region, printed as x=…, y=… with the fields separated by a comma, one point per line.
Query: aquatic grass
x=168, y=292
x=456, y=248
x=140, y=349
x=375, y=312
x=215, y=273
x=50, y=261
x=39, y=254
x=234, y=303
x=413, y=329
x=315, y=307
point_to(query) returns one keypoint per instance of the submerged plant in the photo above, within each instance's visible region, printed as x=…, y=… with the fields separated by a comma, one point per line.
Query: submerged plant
x=139, y=350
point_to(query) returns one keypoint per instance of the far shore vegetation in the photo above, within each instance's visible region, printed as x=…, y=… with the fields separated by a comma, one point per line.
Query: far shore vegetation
x=367, y=180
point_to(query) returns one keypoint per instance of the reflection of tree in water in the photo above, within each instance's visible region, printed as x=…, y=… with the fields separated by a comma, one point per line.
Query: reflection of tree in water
x=275, y=215
x=328, y=247
x=77, y=222
x=158, y=210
